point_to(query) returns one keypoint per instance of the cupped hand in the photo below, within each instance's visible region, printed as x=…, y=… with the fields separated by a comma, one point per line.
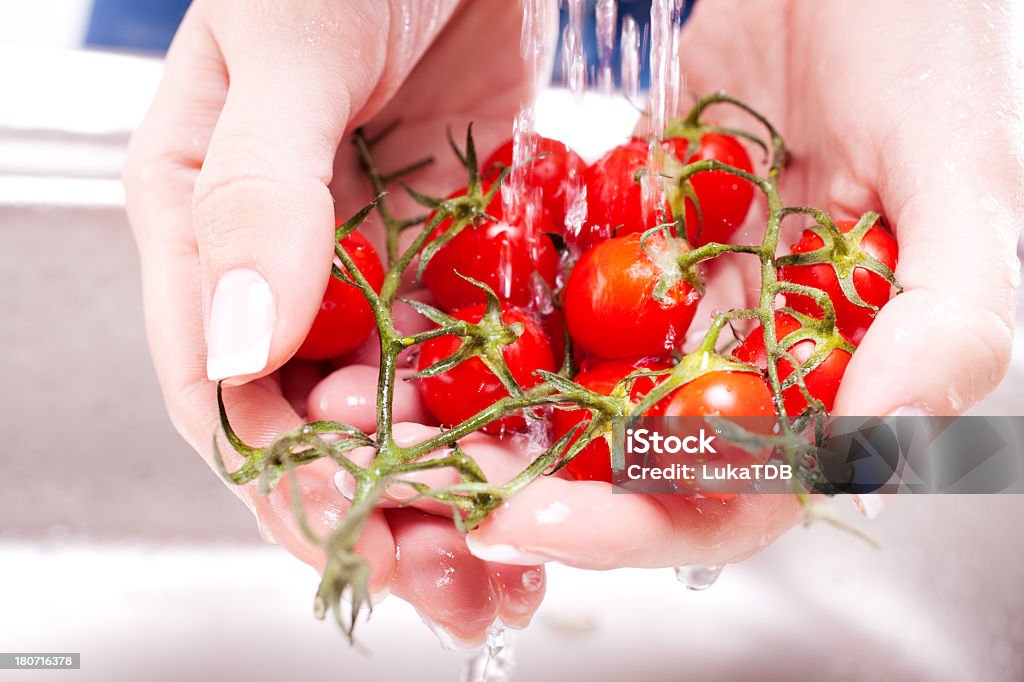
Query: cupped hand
x=235, y=180
x=910, y=108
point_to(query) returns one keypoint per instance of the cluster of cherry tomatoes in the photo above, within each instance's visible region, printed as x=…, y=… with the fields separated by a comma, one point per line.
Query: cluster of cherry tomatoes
x=617, y=294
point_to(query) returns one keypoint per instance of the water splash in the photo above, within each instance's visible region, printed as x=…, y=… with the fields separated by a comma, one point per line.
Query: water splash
x=697, y=577
x=575, y=209
x=535, y=436
x=495, y=662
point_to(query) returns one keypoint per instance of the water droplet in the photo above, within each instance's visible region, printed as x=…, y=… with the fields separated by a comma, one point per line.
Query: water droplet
x=697, y=577
x=533, y=580
x=495, y=662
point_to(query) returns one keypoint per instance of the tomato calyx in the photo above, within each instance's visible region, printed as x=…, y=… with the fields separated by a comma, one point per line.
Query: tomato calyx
x=604, y=410
x=464, y=210
x=843, y=252
x=691, y=366
x=826, y=339
x=484, y=339
x=668, y=252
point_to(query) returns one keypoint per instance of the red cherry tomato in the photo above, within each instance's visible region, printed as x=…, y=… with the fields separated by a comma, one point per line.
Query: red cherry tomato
x=344, y=320
x=822, y=382
x=615, y=195
x=470, y=387
x=593, y=463
x=723, y=394
x=609, y=303
x=852, y=320
x=500, y=255
x=724, y=198
x=549, y=172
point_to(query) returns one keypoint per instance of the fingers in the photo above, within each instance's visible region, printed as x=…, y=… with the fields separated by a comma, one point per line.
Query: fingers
x=586, y=525
x=263, y=216
x=451, y=589
x=349, y=395
x=946, y=342
x=499, y=461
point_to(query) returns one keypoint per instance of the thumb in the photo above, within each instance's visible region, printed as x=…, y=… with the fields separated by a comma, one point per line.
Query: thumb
x=945, y=343
x=262, y=211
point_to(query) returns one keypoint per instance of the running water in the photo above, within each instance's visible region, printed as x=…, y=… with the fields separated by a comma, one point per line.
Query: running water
x=629, y=61
x=494, y=662
x=698, y=578
x=664, y=98
x=606, y=16
x=574, y=57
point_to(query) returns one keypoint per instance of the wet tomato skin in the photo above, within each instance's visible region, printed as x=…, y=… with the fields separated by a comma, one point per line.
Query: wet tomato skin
x=593, y=463
x=501, y=255
x=724, y=198
x=469, y=387
x=609, y=303
x=822, y=382
x=614, y=195
x=723, y=394
x=344, y=320
x=554, y=166
x=852, y=320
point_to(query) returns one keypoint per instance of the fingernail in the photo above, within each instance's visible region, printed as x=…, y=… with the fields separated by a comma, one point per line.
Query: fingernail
x=910, y=411
x=241, y=324
x=265, y=533
x=346, y=484
x=502, y=554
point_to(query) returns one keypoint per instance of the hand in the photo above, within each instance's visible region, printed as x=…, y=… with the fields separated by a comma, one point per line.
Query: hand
x=911, y=108
x=235, y=180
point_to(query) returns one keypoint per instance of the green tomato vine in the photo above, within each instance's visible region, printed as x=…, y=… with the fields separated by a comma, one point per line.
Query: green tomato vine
x=474, y=496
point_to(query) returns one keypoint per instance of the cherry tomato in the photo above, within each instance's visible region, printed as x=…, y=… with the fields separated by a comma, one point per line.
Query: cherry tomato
x=724, y=198
x=615, y=195
x=553, y=324
x=470, y=387
x=609, y=303
x=822, y=382
x=593, y=463
x=852, y=320
x=549, y=172
x=344, y=320
x=723, y=394
x=502, y=256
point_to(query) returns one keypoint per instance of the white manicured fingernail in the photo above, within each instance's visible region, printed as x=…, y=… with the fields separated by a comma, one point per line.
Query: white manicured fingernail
x=909, y=411
x=345, y=484
x=241, y=325
x=502, y=554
